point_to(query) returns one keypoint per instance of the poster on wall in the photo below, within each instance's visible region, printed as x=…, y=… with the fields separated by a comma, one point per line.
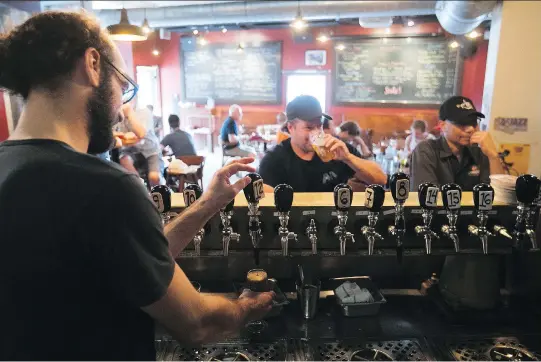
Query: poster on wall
x=511, y=125
x=315, y=57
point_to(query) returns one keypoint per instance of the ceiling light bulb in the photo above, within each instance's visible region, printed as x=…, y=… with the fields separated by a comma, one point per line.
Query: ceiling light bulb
x=156, y=52
x=224, y=30
x=323, y=38
x=195, y=32
x=454, y=44
x=474, y=34
x=340, y=47
x=240, y=48
x=146, y=28
x=388, y=30
x=299, y=23
x=411, y=23
x=203, y=41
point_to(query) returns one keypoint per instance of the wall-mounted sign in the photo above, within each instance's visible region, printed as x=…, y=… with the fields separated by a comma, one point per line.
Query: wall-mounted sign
x=511, y=125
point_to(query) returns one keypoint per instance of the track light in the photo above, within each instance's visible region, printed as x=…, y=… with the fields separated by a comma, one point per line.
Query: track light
x=202, y=41
x=340, y=47
x=240, y=48
x=224, y=30
x=155, y=52
x=454, y=44
x=411, y=22
x=195, y=32
x=323, y=38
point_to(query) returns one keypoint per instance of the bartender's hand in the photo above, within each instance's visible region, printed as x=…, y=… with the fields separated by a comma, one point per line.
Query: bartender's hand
x=256, y=305
x=220, y=190
x=485, y=142
x=337, y=147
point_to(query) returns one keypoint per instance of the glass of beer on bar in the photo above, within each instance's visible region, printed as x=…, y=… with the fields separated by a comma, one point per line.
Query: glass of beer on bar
x=317, y=139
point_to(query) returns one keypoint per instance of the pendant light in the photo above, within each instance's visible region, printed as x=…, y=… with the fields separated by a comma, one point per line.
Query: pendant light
x=124, y=31
x=146, y=27
x=299, y=23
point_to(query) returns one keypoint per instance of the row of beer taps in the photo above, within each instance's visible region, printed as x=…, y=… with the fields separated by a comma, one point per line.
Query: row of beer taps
x=527, y=190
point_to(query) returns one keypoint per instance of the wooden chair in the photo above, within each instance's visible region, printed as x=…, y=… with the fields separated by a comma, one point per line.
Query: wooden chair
x=197, y=177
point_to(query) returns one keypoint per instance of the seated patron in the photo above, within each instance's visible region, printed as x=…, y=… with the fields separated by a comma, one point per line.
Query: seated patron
x=418, y=134
x=229, y=134
x=350, y=132
x=181, y=142
x=327, y=126
x=462, y=154
x=282, y=133
x=295, y=162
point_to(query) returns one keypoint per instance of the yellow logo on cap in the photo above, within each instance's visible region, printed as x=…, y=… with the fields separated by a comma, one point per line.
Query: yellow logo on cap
x=465, y=105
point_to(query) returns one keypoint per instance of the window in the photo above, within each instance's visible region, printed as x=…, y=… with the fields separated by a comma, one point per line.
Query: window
x=147, y=79
x=307, y=84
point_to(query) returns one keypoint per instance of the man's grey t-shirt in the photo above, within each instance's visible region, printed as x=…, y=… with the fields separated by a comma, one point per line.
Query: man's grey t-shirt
x=180, y=142
x=433, y=161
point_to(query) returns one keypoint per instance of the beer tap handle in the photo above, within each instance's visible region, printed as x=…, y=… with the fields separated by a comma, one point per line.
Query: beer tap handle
x=451, y=195
x=254, y=190
x=192, y=192
x=527, y=189
x=428, y=196
x=283, y=197
x=483, y=197
x=400, y=187
x=161, y=195
x=343, y=195
x=374, y=198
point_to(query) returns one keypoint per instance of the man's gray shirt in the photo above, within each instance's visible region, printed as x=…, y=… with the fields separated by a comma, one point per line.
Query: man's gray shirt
x=180, y=142
x=433, y=161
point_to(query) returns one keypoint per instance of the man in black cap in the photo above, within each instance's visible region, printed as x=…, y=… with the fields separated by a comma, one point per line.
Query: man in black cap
x=295, y=162
x=462, y=155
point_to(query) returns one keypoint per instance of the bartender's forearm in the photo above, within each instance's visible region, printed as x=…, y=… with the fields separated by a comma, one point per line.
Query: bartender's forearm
x=366, y=171
x=496, y=166
x=182, y=229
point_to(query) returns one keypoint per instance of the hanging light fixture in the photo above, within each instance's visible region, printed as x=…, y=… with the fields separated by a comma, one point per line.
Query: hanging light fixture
x=124, y=31
x=299, y=23
x=240, y=48
x=146, y=27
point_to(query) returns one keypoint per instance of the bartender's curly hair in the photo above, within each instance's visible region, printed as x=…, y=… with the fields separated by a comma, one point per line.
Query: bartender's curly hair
x=43, y=51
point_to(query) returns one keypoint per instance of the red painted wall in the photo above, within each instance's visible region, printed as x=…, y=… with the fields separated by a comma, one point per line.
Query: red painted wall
x=293, y=59
x=4, y=131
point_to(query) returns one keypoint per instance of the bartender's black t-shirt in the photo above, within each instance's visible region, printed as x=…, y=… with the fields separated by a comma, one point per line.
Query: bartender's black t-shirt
x=282, y=165
x=81, y=250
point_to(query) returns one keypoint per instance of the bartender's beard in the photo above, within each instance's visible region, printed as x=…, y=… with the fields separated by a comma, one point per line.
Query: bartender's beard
x=101, y=116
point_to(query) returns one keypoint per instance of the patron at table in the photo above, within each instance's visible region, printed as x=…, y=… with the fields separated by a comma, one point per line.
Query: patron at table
x=229, y=135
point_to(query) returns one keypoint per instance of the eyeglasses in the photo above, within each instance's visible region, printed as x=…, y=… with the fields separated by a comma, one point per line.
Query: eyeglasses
x=131, y=89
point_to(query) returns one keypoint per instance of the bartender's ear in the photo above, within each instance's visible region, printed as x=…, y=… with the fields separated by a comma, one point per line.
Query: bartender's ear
x=442, y=124
x=290, y=125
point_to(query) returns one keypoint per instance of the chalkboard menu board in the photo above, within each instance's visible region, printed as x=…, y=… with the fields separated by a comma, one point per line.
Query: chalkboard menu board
x=229, y=76
x=396, y=70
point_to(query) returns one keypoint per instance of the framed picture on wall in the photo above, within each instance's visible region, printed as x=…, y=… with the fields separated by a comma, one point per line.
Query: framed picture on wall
x=315, y=57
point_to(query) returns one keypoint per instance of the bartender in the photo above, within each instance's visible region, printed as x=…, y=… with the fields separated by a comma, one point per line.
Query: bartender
x=295, y=162
x=467, y=157
x=87, y=274
x=462, y=155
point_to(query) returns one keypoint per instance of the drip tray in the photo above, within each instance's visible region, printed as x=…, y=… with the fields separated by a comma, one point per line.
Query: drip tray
x=496, y=349
x=401, y=350
x=172, y=351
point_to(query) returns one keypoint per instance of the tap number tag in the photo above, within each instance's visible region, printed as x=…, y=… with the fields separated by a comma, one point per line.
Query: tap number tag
x=485, y=200
x=344, y=198
x=258, y=190
x=402, y=189
x=453, y=199
x=158, y=201
x=189, y=197
x=369, y=200
x=431, y=197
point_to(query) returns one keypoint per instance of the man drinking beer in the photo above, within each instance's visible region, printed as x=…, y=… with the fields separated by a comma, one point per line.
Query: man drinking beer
x=311, y=161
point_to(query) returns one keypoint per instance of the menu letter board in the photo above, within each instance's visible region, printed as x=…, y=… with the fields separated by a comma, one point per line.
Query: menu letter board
x=222, y=72
x=415, y=70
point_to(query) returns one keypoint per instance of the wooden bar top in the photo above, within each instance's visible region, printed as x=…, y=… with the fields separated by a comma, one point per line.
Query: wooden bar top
x=325, y=199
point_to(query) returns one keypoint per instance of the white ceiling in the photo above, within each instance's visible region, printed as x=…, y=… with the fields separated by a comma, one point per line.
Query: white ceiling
x=112, y=5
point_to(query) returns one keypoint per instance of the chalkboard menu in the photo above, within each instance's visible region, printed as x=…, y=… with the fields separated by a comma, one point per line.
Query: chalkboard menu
x=222, y=72
x=396, y=70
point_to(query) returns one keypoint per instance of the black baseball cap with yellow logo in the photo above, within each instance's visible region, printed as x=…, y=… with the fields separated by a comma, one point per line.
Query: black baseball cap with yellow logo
x=306, y=108
x=460, y=111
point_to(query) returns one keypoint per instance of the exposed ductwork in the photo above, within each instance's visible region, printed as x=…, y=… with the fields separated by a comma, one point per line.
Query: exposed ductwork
x=461, y=17
x=456, y=16
x=268, y=11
